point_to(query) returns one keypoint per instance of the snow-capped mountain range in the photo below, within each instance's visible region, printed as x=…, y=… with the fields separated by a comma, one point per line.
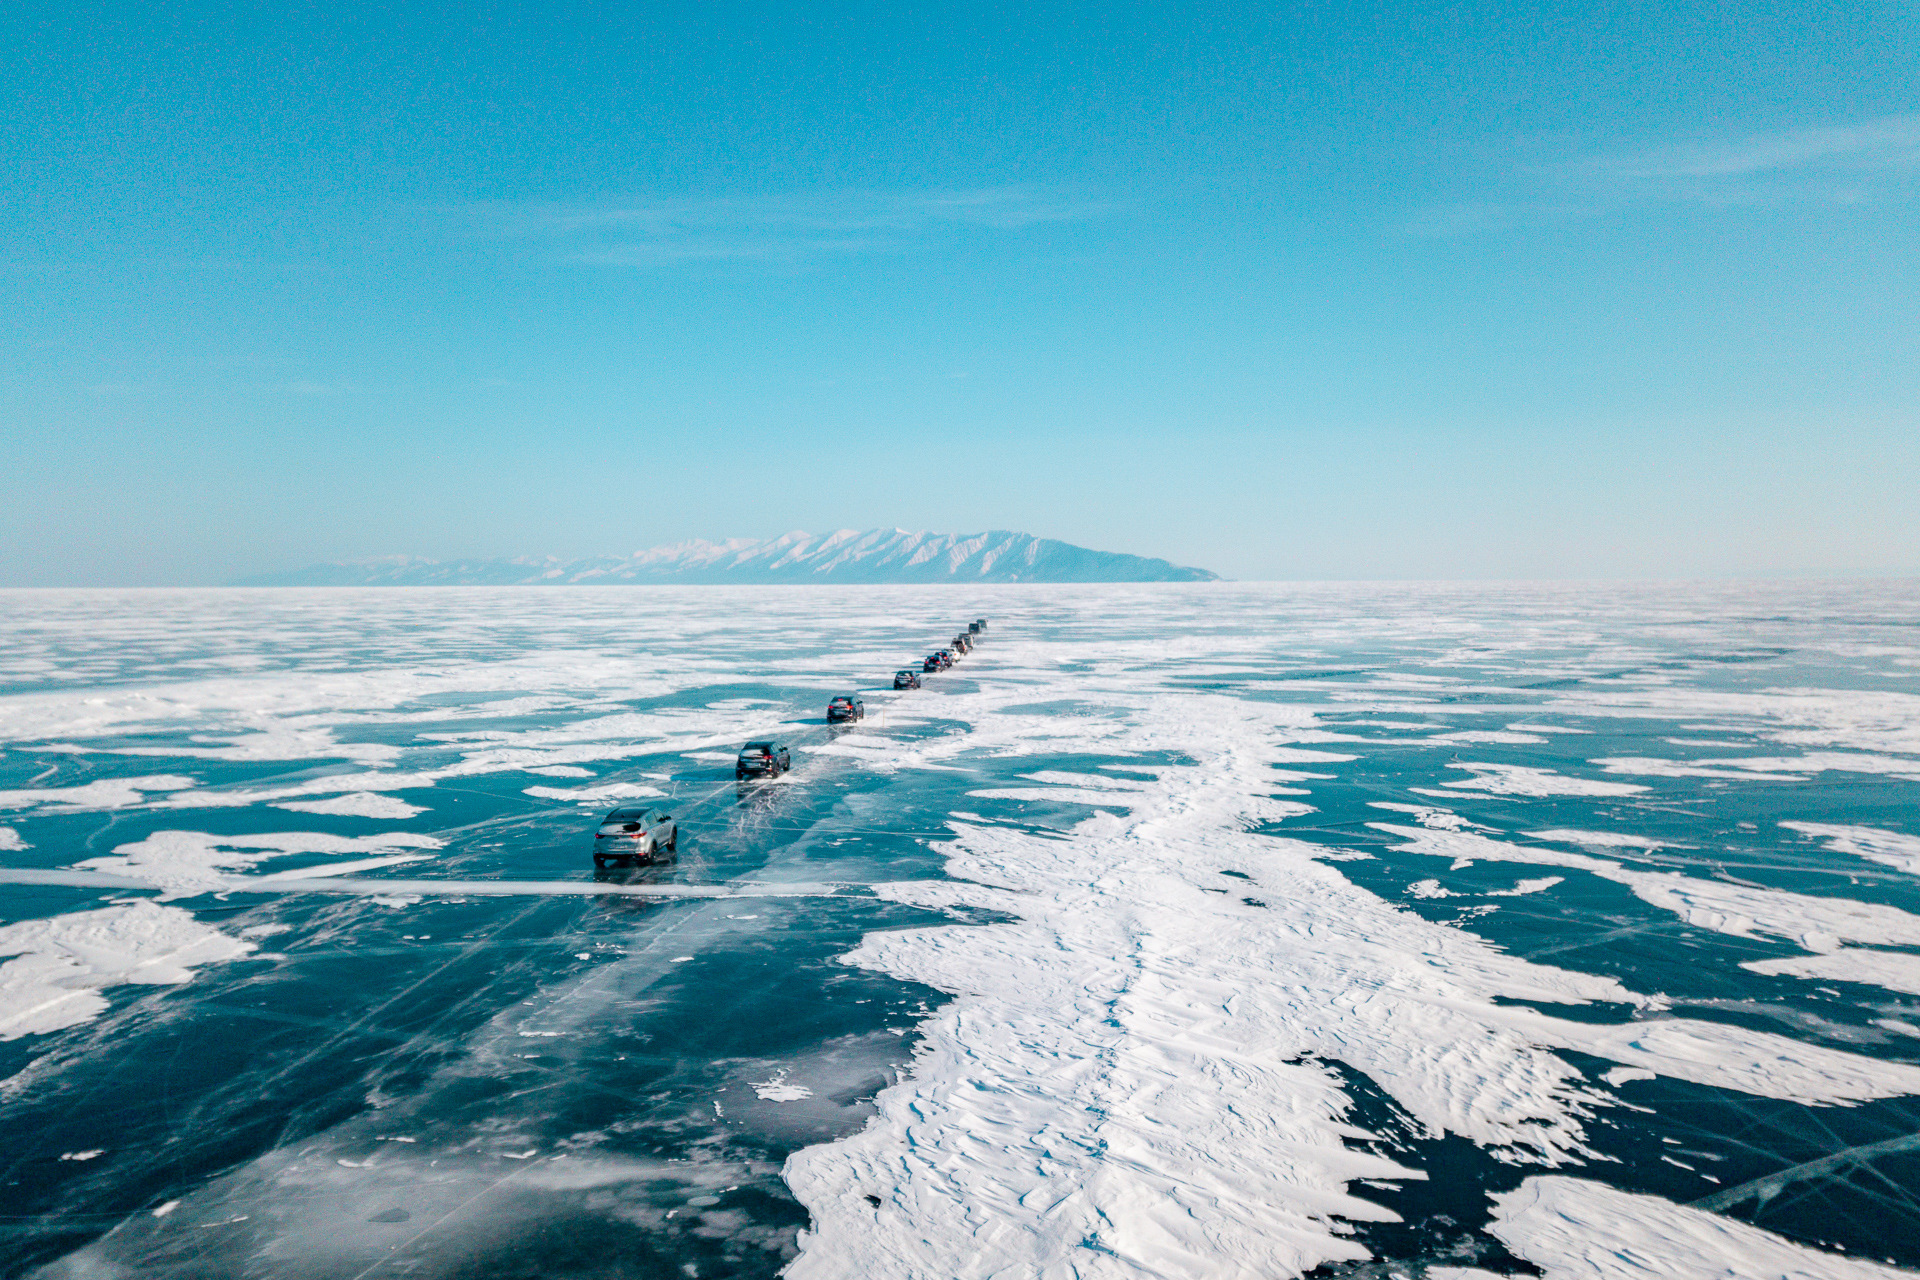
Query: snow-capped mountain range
x=848, y=556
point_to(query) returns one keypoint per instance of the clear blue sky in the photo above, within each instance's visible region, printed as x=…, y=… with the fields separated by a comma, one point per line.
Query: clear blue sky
x=1284, y=290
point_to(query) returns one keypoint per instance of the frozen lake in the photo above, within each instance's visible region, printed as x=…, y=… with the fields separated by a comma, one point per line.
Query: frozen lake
x=1203, y=930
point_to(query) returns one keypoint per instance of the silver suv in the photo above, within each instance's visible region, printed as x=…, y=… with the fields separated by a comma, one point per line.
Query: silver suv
x=635, y=835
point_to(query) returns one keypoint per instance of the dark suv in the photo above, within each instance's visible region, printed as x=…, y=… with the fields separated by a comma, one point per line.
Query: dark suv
x=961, y=644
x=906, y=678
x=846, y=707
x=935, y=662
x=635, y=835
x=762, y=760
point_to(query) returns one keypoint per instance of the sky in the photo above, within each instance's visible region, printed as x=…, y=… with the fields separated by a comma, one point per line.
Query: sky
x=1287, y=291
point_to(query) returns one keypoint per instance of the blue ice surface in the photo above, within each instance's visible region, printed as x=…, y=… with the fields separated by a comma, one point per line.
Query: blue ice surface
x=399, y=1087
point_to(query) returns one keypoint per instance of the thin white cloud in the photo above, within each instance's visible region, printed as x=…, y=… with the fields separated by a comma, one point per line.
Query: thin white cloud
x=776, y=228
x=1889, y=143
x=1868, y=162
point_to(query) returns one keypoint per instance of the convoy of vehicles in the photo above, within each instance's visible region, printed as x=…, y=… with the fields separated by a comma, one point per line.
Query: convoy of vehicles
x=640, y=835
x=635, y=835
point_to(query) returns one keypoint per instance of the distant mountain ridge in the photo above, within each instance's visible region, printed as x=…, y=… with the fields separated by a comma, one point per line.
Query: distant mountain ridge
x=848, y=556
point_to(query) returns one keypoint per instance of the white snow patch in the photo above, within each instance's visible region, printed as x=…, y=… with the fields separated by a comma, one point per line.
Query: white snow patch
x=1597, y=839
x=561, y=771
x=863, y=740
x=10, y=841
x=596, y=795
x=278, y=741
x=185, y=863
x=1890, y=848
x=778, y=1090
x=1767, y=768
x=1526, y=887
x=1525, y=780
x=60, y=963
x=1428, y=815
x=1430, y=889
x=1894, y=970
x=109, y=793
x=1618, y=1076
x=1573, y=1229
x=357, y=804
x=1654, y=767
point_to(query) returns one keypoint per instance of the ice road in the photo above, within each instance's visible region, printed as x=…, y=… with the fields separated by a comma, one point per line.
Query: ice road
x=1197, y=930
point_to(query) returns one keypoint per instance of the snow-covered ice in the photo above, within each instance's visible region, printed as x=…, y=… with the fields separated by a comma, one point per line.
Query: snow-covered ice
x=59, y=964
x=1182, y=931
x=1573, y=1229
x=358, y=804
